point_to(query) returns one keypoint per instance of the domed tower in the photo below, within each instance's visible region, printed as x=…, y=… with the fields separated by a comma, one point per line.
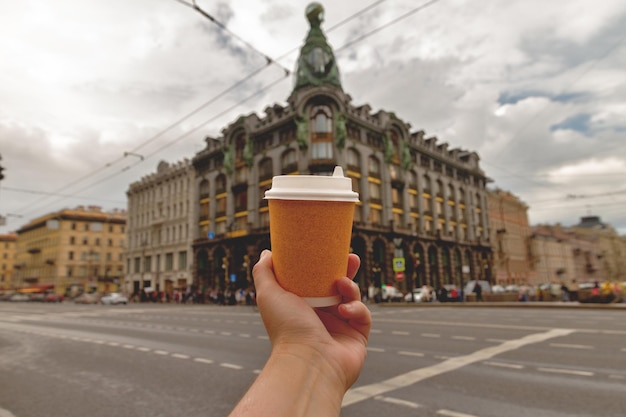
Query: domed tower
x=316, y=64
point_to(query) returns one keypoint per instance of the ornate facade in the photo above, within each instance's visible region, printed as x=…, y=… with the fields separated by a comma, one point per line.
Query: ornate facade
x=420, y=202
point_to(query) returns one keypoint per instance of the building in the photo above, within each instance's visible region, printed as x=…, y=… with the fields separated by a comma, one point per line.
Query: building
x=421, y=203
x=7, y=260
x=510, y=234
x=160, y=213
x=551, y=254
x=611, y=247
x=72, y=251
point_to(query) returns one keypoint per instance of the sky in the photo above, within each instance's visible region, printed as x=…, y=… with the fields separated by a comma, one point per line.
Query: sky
x=94, y=94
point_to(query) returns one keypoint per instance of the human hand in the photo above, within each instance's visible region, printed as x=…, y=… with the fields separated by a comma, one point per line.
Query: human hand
x=333, y=338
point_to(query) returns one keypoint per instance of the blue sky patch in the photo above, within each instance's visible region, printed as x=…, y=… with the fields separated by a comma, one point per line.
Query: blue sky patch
x=580, y=122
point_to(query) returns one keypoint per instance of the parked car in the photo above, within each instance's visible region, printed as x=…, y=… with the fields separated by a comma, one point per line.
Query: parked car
x=86, y=298
x=20, y=297
x=390, y=293
x=114, y=298
x=54, y=298
x=420, y=295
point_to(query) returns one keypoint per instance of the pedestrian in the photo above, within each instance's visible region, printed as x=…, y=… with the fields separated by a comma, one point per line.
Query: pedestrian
x=573, y=291
x=564, y=292
x=317, y=354
x=478, y=290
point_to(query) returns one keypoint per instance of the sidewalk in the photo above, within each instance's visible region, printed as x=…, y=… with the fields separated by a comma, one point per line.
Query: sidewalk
x=514, y=304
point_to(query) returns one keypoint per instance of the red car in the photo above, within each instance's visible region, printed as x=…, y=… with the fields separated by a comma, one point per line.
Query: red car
x=54, y=298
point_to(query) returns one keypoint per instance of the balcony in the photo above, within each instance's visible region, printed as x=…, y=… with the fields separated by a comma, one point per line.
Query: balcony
x=33, y=251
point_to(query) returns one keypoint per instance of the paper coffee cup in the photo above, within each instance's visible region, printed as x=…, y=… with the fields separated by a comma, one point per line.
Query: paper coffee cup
x=310, y=231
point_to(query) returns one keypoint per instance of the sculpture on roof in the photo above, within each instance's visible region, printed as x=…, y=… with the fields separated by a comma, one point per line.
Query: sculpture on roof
x=316, y=64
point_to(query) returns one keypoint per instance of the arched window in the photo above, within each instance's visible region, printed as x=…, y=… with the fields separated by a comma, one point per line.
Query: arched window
x=265, y=169
x=204, y=189
x=373, y=167
x=321, y=133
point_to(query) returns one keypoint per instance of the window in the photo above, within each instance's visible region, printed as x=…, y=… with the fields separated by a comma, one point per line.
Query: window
x=321, y=120
x=169, y=261
x=137, y=265
x=322, y=150
x=220, y=184
x=85, y=241
x=376, y=216
x=72, y=240
x=353, y=159
x=70, y=256
x=147, y=265
x=373, y=167
x=265, y=169
x=375, y=192
x=52, y=224
x=96, y=227
x=182, y=260
x=241, y=200
x=288, y=162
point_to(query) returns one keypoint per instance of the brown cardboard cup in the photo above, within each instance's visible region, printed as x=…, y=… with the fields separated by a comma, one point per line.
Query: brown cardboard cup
x=310, y=231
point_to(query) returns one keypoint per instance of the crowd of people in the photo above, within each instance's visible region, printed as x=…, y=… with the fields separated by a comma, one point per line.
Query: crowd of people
x=228, y=296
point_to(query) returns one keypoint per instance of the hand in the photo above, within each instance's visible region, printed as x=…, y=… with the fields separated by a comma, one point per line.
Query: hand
x=333, y=338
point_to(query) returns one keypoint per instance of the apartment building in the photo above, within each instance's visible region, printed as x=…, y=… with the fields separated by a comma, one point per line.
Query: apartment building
x=72, y=251
x=7, y=260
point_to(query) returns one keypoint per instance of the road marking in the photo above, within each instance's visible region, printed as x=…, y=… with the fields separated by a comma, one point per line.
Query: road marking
x=450, y=413
x=623, y=349
x=569, y=346
x=365, y=392
x=263, y=337
x=430, y=335
x=496, y=340
x=143, y=349
x=463, y=337
x=202, y=360
x=377, y=331
x=617, y=376
x=443, y=358
x=226, y=333
x=405, y=353
x=397, y=401
x=128, y=346
x=6, y=413
x=504, y=365
x=209, y=331
x=161, y=352
x=400, y=333
x=180, y=356
x=373, y=349
x=231, y=366
x=244, y=335
x=113, y=344
x=565, y=371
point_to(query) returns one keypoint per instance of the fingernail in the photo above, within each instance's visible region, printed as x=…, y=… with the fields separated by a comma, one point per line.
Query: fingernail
x=264, y=253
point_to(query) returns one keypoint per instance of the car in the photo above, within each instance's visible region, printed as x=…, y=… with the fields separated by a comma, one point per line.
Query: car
x=419, y=295
x=20, y=297
x=114, y=298
x=54, y=298
x=86, y=298
x=390, y=293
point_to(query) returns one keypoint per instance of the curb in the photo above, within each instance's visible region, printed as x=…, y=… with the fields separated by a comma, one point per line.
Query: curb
x=495, y=304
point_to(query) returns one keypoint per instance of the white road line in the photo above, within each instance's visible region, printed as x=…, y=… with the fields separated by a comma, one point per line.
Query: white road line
x=113, y=344
x=128, y=346
x=373, y=349
x=400, y=333
x=263, y=337
x=565, y=371
x=623, y=349
x=244, y=335
x=209, y=331
x=143, y=349
x=617, y=376
x=430, y=335
x=464, y=337
x=397, y=401
x=496, y=340
x=365, y=392
x=504, y=365
x=376, y=331
x=405, y=353
x=226, y=333
x=6, y=413
x=180, y=356
x=450, y=413
x=161, y=352
x=443, y=358
x=202, y=360
x=231, y=366
x=570, y=346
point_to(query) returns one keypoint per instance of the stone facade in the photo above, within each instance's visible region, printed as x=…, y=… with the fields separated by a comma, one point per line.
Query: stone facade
x=161, y=208
x=72, y=251
x=419, y=200
x=510, y=235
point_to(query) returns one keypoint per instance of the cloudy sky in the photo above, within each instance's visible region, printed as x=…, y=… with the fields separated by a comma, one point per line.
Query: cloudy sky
x=536, y=87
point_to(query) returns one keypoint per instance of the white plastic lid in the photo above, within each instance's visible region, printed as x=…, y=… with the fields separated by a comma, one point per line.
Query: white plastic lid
x=313, y=187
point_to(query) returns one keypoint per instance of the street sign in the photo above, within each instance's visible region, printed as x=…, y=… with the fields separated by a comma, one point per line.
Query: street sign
x=399, y=276
x=210, y=235
x=233, y=277
x=398, y=265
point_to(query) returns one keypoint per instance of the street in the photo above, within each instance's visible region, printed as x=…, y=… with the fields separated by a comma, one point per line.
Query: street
x=153, y=360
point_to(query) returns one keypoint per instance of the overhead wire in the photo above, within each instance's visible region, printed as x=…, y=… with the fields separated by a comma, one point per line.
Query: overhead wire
x=238, y=83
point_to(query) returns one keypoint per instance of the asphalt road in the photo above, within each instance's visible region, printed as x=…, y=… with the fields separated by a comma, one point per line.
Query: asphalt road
x=166, y=360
